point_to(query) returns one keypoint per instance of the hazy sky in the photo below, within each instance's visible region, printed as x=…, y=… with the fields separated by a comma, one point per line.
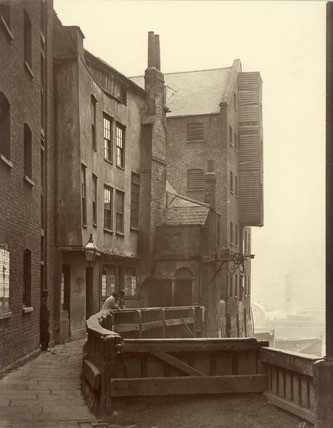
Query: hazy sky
x=285, y=41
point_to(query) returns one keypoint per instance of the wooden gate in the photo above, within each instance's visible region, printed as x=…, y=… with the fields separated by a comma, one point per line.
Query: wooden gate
x=115, y=367
x=187, y=366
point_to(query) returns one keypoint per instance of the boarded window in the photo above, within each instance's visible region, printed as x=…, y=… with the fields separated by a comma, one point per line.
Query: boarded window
x=210, y=165
x=195, y=179
x=93, y=121
x=94, y=198
x=135, y=194
x=195, y=131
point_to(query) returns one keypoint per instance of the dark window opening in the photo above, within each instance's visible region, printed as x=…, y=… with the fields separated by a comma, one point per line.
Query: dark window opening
x=135, y=195
x=94, y=198
x=84, y=194
x=5, y=126
x=27, y=278
x=27, y=151
x=93, y=122
x=5, y=11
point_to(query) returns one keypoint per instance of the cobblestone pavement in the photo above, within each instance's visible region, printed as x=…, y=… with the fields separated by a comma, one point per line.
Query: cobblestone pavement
x=45, y=393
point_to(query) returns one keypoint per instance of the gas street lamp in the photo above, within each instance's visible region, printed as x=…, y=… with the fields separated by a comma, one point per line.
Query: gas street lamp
x=90, y=250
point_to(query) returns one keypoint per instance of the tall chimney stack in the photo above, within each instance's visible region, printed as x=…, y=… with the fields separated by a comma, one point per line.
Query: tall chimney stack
x=157, y=52
x=151, y=50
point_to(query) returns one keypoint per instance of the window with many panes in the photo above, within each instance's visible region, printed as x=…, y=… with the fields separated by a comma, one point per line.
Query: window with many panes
x=130, y=281
x=135, y=195
x=84, y=194
x=108, y=280
x=93, y=121
x=5, y=126
x=107, y=132
x=120, y=136
x=27, y=151
x=94, y=199
x=119, y=212
x=108, y=207
x=27, y=39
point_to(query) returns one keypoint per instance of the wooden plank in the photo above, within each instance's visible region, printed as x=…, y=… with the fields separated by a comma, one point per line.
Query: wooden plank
x=304, y=392
x=282, y=378
x=179, y=321
x=151, y=324
x=186, y=345
x=288, y=360
x=202, y=362
x=180, y=365
x=188, y=385
x=132, y=366
x=290, y=407
x=155, y=367
x=275, y=385
x=120, y=328
x=311, y=396
x=289, y=391
x=296, y=390
x=243, y=363
x=253, y=359
x=223, y=363
x=92, y=374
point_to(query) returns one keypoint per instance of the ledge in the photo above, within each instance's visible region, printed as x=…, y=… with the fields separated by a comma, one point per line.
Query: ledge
x=28, y=68
x=6, y=161
x=27, y=309
x=5, y=315
x=6, y=28
x=134, y=229
x=108, y=161
x=120, y=234
x=29, y=180
x=121, y=167
x=108, y=231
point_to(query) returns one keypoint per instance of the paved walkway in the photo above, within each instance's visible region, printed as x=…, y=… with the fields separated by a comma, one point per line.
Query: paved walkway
x=45, y=393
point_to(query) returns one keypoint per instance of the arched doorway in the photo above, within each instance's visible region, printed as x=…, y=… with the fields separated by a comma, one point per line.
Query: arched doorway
x=182, y=295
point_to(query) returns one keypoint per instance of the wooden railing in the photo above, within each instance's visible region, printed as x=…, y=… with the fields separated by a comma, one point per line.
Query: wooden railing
x=114, y=366
x=179, y=321
x=290, y=381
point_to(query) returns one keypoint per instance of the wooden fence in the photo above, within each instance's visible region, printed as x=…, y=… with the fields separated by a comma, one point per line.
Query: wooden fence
x=179, y=321
x=290, y=381
x=123, y=367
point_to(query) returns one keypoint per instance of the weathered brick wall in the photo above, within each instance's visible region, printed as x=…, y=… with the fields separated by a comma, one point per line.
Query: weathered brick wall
x=20, y=210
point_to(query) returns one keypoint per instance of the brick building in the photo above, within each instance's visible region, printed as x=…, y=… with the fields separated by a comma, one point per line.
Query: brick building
x=26, y=165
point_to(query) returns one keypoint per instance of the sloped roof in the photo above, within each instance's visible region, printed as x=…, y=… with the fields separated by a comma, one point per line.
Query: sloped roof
x=184, y=211
x=197, y=92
